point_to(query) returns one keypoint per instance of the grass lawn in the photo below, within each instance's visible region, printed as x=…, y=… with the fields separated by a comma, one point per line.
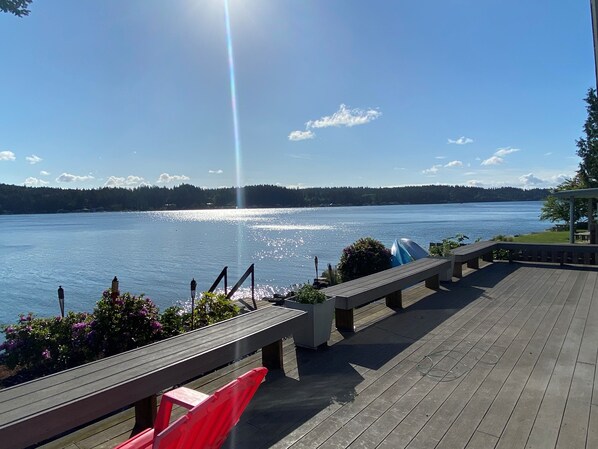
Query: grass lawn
x=544, y=237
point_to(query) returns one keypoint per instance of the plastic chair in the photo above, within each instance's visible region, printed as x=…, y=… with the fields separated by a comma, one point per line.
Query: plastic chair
x=208, y=421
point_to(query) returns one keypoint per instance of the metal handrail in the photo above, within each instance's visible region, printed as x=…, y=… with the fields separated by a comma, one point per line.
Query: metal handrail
x=249, y=271
x=223, y=274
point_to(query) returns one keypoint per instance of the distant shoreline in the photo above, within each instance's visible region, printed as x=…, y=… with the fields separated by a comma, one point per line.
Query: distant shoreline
x=17, y=200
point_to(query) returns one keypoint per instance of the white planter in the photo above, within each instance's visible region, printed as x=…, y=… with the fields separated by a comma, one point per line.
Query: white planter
x=316, y=331
x=447, y=276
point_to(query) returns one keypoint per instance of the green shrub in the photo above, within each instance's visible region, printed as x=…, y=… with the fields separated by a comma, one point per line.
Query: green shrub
x=123, y=323
x=448, y=245
x=365, y=256
x=212, y=308
x=308, y=294
x=174, y=321
x=332, y=275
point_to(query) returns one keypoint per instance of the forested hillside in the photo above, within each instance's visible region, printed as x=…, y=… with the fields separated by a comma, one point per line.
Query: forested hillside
x=25, y=200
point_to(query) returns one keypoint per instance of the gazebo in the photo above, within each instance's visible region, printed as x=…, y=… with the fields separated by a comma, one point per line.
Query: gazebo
x=572, y=195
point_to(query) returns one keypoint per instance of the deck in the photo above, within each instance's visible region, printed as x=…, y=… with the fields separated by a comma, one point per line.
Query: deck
x=503, y=358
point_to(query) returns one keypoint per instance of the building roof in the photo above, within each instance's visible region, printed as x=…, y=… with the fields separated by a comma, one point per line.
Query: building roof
x=579, y=193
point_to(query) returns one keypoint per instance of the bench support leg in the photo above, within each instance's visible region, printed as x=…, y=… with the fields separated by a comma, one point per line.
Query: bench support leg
x=344, y=320
x=488, y=257
x=395, y=300
x=145, y=413
x=272, y=355
x=458, y=270
x=433, y=282
x=474, y=263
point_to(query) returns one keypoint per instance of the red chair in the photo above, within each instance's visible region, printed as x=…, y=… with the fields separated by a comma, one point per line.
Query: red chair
x=208, y=421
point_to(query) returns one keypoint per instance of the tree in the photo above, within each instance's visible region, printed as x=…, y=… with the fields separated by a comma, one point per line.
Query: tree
x=16, y=7
x=587, y=146
x=555, y=209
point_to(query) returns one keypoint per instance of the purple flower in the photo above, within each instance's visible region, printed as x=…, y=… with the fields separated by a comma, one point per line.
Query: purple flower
x=46, y=354
x=79, y=326
x=156, y=325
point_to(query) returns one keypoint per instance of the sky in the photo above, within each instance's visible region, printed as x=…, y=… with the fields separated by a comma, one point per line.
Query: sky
x=310, y=93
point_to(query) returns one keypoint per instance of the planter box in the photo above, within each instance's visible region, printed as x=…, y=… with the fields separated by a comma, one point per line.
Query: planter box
x=448, y=275
x=316, y=331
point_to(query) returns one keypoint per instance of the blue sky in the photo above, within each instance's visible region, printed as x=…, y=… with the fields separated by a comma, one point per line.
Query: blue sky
x=328, y=92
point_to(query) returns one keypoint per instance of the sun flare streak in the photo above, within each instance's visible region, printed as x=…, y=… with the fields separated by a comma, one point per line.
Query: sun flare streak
x=233, y=95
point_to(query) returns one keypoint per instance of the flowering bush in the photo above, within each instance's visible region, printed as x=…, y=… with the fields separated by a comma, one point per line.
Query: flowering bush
x=123, y=323
x=45, y=345
x=365, y=256
x=40, y=346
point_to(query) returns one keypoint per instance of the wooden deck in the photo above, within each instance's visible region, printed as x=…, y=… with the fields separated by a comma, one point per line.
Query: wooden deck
x=503, y=358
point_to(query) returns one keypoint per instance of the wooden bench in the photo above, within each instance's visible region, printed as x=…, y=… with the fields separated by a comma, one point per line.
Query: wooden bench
x=44, y=408
x=387, y=283
x=471, y=254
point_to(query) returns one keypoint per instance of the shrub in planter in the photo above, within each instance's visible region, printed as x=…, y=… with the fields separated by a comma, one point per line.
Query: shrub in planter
x=123, y=323
x=308, y=294
x=448, y=245
x=319, y=309
x=365, y=256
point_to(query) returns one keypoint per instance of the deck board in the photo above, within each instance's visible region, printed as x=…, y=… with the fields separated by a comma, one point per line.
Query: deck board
x=517, y=345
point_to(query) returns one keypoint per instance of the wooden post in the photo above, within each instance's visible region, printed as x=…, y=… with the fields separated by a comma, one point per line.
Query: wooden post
x=344, y=320
x=272, y=355
x=571, y=214
x=145, y=413
x=395, y=300
x=433, y=282
x=474, y=263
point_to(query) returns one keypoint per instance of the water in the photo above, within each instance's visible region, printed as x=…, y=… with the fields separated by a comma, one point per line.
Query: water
x=158, y=253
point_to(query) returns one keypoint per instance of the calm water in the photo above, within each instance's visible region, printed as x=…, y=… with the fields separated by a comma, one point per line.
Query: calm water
x=158, y=253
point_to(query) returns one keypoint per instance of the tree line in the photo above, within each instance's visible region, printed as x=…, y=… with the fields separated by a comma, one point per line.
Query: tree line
x=34, y=200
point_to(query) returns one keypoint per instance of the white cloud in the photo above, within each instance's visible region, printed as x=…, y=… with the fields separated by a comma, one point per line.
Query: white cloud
x=165, y=178
x=33, y=159
x=345, y=117
x=461, y=140
x=454, y=164
x=215, y=172
x=494, y=160
x=440, y=157
x=67, y=177
x=548, y=154
x=470, y=173
x=432, y=170
x=560, y=178
x=129, y=181
x=531, y=180
x=475, y=183
x=44, y=173
x=35, y=182
x=7, y=156
x=504, y=151
x=295, y=136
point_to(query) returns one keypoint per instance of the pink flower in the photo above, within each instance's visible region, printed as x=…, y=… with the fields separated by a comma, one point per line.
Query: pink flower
x=46, y=354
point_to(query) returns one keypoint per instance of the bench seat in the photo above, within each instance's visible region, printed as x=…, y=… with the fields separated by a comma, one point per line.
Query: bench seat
x=471, y=254
x=387, y=283
x=43, y=408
